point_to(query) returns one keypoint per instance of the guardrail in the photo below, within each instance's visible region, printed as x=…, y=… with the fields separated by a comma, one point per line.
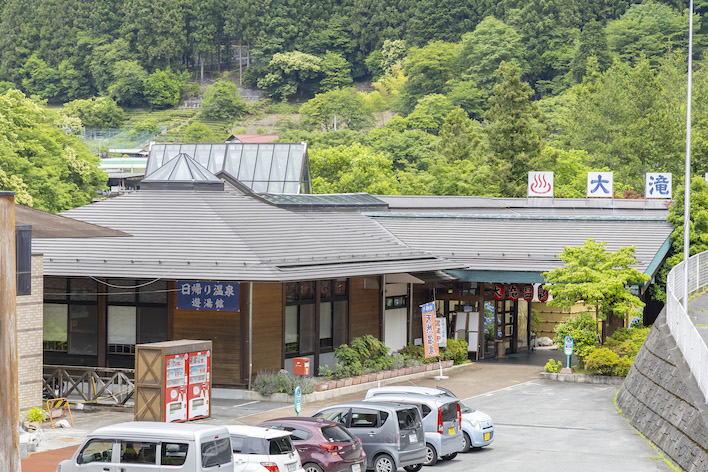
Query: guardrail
x=89, y=384
x=690, y=343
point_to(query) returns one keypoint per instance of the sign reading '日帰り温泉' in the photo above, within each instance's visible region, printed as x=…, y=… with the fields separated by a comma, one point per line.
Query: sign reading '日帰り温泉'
x=211, y=296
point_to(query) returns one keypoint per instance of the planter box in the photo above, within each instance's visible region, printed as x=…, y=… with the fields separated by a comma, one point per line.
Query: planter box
x=321, y=387
x=429, y=367
x=371, y=378
x=388, y=374
x=379, y=375
x=339, y=384
x=348, y=382
x=356, y=380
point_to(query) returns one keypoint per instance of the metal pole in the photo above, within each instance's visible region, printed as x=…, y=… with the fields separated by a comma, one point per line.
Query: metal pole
x=687, y=177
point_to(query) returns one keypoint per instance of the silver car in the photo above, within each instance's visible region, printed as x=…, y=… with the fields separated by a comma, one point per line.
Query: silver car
x=477, y=427
x=392, y=435
x=442, y=417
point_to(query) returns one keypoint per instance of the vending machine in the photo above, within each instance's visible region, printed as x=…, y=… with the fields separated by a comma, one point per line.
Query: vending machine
x=198, y=394
x=176, y=388
x=173, y=380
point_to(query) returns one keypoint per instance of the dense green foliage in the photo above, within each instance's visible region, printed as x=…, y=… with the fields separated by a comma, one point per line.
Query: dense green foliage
x=50, y=169
x=583, y=329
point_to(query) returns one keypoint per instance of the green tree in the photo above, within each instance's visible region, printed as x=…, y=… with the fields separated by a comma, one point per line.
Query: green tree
x=433, y=107
x=427, y=70
x=345, y=105
x=697, y=231
x=163, y=88
x=466, y=95
x=40, y=79
x=648, y=30
x=128, y=85
x=38, y=158
x=514, y=128
x=290, y=74
x=198, y=132
x=336, y=71
x=355, y=168
x=101, y=112
x=569, y=168
x=458, y=138
x=393, y=56
x=598, y=278
x=484, y=49
x=223, y=101
x=593, y=42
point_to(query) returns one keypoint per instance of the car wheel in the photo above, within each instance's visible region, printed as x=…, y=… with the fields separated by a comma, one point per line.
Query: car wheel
x=413, y=468
x=431, y=457
x=384, y=463
x=466, y=442
x=310, y=467
x=449, y=456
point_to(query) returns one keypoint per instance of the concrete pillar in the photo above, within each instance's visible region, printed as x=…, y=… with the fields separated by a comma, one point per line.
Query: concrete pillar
x=9, y=414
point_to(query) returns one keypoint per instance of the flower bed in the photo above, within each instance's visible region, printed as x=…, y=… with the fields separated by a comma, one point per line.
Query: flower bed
x=323, y=385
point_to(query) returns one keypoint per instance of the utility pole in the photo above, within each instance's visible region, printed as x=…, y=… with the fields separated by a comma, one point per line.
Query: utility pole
x=9, y=414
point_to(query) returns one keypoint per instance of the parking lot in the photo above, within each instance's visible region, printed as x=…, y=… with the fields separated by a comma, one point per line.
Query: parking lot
x=540, y=425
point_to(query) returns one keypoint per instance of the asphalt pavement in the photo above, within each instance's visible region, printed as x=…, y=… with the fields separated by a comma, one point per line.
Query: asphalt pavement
x=540, y=425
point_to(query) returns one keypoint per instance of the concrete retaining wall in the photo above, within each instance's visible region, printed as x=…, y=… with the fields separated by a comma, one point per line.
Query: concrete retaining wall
x=582, y=378
x=661, y=399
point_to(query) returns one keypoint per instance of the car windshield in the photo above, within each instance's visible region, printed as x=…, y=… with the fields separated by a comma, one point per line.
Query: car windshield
x=336, y=433
x=281, y=445
x=408, y=419
x=465, y=409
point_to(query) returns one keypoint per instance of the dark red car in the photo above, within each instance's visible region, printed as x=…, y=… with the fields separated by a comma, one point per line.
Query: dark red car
x=323, y=445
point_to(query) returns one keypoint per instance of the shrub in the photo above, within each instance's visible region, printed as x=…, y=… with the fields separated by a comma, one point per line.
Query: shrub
x=455, y=351
x=602, y=361
x=623, y=366
x=266, y=383
x=553, y=366
x=36, y=414
x=325, y=372
x=583, y=329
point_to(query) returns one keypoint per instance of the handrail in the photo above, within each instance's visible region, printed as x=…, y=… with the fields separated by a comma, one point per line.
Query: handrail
x=689, y=341
x=89, y=384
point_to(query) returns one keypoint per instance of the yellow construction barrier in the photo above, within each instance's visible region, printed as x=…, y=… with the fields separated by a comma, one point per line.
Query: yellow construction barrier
x=58, y=405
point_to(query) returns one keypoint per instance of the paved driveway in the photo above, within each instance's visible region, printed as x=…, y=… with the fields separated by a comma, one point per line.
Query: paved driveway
x=556, y=426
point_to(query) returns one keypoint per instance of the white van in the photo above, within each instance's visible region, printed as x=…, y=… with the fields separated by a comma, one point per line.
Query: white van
x=146, y=446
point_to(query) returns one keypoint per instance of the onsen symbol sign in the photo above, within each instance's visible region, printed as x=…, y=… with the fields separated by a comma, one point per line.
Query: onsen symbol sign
x=540, y=184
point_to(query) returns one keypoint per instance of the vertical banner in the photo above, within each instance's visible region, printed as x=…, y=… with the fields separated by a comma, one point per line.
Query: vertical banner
x=441, y=328
x=430, y=338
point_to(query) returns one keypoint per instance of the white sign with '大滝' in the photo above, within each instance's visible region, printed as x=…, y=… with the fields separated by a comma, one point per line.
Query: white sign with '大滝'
x=600, y=184
x=658, y=185
x=540, y=184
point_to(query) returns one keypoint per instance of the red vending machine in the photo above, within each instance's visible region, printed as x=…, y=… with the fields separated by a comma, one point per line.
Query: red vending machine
x=198, y=391
x=176, y=387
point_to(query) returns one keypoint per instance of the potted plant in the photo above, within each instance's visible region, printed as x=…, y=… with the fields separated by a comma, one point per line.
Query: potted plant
x=35, y=417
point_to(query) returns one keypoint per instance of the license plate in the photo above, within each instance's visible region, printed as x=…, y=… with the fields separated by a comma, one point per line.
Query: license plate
x=451, y=431
x=356, y=468
x=292, y=466
x=487, y=436
x=413, y=438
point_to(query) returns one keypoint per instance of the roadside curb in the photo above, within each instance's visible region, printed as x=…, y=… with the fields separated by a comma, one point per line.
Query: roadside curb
x=582, y=378
x=234, y=394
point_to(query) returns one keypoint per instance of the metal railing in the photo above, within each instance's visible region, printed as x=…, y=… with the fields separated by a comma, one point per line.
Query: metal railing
x=687, y=338
x=89, y=384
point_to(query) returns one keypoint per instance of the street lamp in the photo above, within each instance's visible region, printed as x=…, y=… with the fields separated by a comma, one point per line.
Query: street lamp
x=687, y=177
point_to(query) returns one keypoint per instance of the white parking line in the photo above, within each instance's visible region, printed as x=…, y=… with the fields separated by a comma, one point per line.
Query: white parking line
x=489, y=394
x=248, y=403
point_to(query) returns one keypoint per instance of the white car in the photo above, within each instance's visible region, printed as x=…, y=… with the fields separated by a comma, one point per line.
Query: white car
x=477, y=427
x=258, y=449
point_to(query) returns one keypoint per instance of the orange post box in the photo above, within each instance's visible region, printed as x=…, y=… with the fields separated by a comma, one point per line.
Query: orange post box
x=301, y=366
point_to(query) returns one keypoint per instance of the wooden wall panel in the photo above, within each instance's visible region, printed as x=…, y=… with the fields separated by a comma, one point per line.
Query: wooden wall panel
x=222, y=328
x=268, y=341
x=364, y=307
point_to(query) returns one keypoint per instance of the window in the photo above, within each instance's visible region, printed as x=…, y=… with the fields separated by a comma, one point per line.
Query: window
x=335, y=414
x=23, y=259
x=54, y=337
x=301, y=316
x=237, y=443
x=174, y=453
x=136, y=314
x=97, y=450
x=137, y=452
x=337, y=434
x=280, y=445
x=216, y=452
x=408, y=419
x=83, y=330
x=296, y=434
x=400, y=301
x=364, y=419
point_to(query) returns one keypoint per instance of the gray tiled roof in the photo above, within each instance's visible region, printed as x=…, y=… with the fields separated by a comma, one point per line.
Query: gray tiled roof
x=227, y=236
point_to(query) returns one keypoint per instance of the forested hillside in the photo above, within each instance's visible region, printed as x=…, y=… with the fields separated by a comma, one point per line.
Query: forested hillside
x=480, y=91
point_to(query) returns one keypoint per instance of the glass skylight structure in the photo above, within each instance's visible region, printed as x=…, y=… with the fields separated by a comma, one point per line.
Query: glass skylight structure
x=264, y=168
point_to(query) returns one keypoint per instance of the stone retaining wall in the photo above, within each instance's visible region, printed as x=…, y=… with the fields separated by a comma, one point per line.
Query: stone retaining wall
x=661, y=398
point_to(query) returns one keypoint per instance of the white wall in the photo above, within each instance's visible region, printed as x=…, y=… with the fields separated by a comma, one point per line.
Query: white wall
x=395, y=320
